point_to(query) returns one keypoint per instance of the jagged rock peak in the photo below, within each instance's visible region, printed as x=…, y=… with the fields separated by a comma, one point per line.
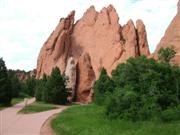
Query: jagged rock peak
x=171, y=38
x=96, y=40
x=142, y=38
x=56, y=49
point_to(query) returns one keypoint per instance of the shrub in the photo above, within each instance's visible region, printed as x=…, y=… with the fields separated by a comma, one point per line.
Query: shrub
x=170, y=114
x=55, y=91
x=143, y=89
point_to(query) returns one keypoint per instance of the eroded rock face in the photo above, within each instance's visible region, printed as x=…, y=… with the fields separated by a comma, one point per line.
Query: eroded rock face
x=171, y=37
x=106, y=41
x=85, y=79
x=55, y=50
x=142, y=38
x=99, y=35
x=70, y=73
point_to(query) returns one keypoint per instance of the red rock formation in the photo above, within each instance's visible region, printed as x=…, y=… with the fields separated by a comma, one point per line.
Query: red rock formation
x=97, y=33
x=85, y=79
x=55, y=50
x=171, y=37
x=106, y=41
x=142, y=38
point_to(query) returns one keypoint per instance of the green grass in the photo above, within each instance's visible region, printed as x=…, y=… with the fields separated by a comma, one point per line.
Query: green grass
x=16, y=100
x=37, y=107
x=90, y=120
x=13, y=102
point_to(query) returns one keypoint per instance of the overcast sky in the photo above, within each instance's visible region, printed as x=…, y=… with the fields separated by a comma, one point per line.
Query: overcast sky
x=26, y=24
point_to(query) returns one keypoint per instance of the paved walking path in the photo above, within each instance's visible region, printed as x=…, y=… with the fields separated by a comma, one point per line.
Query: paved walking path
x=12, y=123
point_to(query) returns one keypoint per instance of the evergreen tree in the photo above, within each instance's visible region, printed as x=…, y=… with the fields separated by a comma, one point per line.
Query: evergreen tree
x=16, y=86
x=55, y=91
x=5, y=85
x=30, y=86
x=40, y=88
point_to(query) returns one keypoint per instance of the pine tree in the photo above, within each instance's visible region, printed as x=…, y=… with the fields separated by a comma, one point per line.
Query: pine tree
x=5, y=85
x=55, y=91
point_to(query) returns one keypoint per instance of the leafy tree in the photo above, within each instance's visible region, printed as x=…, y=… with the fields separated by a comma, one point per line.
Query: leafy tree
x=166, y=54
x=102, y=87
x=55, y=91
x=5, y=85
x=143, y=89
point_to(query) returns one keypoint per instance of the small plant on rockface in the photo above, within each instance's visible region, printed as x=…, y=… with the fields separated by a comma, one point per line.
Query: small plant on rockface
x=166, y=54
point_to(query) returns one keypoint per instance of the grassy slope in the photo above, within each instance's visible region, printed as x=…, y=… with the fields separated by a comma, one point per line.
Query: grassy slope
x=38, y=107
x=90, y=120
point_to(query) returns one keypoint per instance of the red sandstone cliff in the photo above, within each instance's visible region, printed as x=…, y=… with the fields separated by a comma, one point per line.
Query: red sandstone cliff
x=171, y=38
x=96, y=40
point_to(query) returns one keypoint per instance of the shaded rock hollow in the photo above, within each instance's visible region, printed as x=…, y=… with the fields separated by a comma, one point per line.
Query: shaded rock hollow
x=96, y=40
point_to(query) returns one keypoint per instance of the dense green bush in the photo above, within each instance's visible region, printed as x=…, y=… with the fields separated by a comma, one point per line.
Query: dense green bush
x=102, y=87
x=5, y=85
x=144, y=88
x=55, y=91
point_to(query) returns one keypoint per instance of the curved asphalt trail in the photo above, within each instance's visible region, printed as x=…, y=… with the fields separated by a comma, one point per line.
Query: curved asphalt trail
x=12, y=123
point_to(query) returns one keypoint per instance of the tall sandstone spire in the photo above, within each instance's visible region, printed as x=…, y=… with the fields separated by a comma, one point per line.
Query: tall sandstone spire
x=172, y=38
x=98, y=35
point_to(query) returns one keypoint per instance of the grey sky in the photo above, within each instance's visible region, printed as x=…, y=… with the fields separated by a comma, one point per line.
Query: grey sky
x=26, y=24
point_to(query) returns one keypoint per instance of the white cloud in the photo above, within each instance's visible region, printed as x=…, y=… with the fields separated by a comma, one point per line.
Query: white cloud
x=26, y=24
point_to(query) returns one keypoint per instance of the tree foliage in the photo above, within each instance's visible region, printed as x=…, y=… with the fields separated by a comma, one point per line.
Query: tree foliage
x=40, y=88
x=5, y=85
x=143, y=89
x=29, y=86
x=55, y=91
x=102, y=87
x=166, y=54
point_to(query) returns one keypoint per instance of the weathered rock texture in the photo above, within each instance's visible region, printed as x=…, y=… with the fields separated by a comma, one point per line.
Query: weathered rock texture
x=70, y=73
x=55, y=50
x=85, y=79
x=172, y=38
x=106, y=41
x=99, y=35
